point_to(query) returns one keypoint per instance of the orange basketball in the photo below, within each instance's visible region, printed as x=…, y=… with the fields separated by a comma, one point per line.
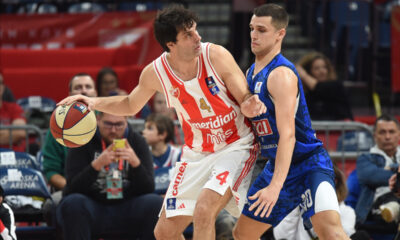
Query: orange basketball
x=73, y=125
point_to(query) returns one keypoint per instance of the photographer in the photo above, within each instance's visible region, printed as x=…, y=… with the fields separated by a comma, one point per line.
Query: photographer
x=110, y=184
x=374, y=170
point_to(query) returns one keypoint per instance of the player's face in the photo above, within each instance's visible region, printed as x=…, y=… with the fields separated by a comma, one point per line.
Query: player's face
x=83, y=85
x=111, y=127
x=264, y=36
x=319, y=70
x=188, y=43
x=387, y=136
x=108, y=84
x=150, y=133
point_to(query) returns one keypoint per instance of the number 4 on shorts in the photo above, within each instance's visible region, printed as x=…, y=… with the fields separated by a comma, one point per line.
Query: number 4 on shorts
x=222, y=177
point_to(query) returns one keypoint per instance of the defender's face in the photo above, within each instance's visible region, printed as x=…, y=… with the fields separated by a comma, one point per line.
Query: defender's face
x=263, y=35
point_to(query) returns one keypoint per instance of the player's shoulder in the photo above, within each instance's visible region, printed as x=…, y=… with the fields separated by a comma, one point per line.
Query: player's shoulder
x=218, y=52
x=149, y=71
x=282, y=71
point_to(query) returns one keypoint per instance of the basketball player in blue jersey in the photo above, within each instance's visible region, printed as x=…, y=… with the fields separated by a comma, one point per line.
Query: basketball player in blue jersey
x=299, y=171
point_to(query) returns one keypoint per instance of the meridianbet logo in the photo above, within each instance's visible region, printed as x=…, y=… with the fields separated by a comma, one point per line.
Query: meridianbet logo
x=214, y=122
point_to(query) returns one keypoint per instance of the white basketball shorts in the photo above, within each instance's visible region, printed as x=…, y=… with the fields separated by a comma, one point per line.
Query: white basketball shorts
x=231, y=167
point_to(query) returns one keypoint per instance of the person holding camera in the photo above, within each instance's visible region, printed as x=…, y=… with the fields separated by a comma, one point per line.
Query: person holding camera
x=377, y=203
x=110, y=184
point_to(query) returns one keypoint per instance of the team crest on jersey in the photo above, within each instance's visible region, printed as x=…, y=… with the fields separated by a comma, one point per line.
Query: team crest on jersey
x=204, y=106
x=171, y=203
x=257, y=88
x=174, y=92
x=80, y=107
x=212, y=86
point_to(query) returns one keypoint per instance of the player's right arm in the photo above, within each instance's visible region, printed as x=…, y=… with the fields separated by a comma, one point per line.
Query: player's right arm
x=124, y=105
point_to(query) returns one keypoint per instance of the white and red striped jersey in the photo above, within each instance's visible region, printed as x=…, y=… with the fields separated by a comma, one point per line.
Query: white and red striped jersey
x=209, y=115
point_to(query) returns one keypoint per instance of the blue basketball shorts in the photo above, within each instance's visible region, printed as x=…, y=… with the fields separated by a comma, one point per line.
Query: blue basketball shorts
x=309, y=184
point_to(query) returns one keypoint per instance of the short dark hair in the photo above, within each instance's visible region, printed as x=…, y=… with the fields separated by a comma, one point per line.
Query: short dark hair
x=81, y=74
x=388, y=118
x=163, y=124
x=280, y=18
x=170, y=21
x=100, y=75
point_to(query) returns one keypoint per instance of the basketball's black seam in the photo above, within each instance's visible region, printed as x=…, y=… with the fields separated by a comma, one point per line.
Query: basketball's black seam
x=70, y=135
x=66, y=114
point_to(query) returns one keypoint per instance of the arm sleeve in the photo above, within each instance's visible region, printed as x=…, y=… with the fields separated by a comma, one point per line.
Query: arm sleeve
x=54, y=155
x=370, y=174
x=142, y=177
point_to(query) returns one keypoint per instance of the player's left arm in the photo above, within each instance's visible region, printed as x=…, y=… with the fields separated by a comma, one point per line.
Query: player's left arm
x=282, y=85
x=236, y=83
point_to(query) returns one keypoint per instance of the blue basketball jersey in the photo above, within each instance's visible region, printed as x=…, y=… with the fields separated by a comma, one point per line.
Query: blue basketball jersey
x=265, y=125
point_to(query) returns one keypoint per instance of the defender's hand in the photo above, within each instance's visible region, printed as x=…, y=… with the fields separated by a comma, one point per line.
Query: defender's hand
x=266, y=199
x=252, y=106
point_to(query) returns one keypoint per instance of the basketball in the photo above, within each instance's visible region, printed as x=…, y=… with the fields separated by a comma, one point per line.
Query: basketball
x=73, y=125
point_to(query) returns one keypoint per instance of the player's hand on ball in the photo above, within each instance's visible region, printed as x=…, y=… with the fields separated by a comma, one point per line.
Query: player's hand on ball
x=128, y=154
x=81, y=98
x=265, y=201
x=253, y=106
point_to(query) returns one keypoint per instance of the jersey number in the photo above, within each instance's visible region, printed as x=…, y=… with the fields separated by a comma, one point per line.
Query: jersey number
x=222, y=177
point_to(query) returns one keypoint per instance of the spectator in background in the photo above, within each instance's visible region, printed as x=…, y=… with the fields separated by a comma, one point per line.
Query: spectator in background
x=109, y=189
x=7, y=94
x=54, y=154
x=7, y=222
x=158, y=132
x=11, y=114
x=107, y=83
x=326, y=97
x=160, y=106
x=293, y=227
x=374, y=170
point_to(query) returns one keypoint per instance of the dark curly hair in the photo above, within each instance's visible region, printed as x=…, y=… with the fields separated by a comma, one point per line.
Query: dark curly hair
x=170, y=21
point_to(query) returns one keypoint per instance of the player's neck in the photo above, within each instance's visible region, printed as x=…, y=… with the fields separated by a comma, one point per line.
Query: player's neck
x=185, y=69
x=159, y=149
x=263, y=60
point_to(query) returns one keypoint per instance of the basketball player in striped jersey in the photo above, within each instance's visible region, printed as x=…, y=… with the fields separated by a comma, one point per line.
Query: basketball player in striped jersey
x=210, y=95
x=299, y=172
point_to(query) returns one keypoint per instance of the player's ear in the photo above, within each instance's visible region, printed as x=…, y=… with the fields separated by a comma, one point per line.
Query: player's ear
x=281, y=33
x=170, y=45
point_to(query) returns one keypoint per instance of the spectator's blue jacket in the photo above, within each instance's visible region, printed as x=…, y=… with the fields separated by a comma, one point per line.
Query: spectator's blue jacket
x=371, y=175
